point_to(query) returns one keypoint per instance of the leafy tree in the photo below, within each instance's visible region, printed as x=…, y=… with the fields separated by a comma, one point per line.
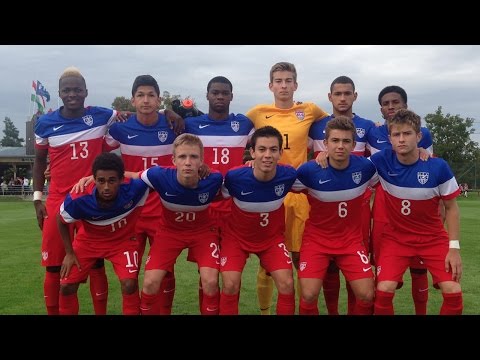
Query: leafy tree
x=121, y=103
x=451, y=141
x=11, y=134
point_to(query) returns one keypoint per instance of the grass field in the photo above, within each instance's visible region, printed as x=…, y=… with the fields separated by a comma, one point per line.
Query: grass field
x=21, y=287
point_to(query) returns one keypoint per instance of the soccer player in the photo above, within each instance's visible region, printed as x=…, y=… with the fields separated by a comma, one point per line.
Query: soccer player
x=334, y=229
x=342, y=95
x=392, y=99
x=412, y=191
x=108, y=211
x=72, y=137
x=257, y=222
x=184, y=223
x=224, y=137
x=146, y=140
x=293, y=120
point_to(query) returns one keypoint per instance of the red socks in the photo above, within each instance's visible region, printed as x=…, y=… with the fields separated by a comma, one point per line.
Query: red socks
x=99, y=290
x=51, y=292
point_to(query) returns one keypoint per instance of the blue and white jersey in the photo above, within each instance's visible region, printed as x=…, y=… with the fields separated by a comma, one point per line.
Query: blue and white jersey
x=336, y=198
x=224, y=141
x=183, y=208
x=412, y=192
x=101, y=225
x=72, y=144
x=142, y=146
x=258, y=215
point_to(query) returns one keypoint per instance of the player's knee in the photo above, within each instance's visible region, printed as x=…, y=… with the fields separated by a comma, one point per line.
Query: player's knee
x=129, y=286
x=99, y=264
x=230, y=287
x=210, y=284
x=450, y=287
x=285, y=285
x=68, y=289
x=53, y=269
x=309, y=295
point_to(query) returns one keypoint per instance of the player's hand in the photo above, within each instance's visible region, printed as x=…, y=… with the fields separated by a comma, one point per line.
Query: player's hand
x=47, y=173
x=250, y=163
x=41, y=212
x=175, y=121
x=68, y=261
x=203, y=171
x=322, y=159
x=453, y=264
x=82, y=184
x=424, y=154
x=122, y=116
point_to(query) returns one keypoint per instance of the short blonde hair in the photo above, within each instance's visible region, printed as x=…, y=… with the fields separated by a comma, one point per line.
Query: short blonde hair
x=283, y=66
x=71, y=71
x=408, y=117
x=188, y=139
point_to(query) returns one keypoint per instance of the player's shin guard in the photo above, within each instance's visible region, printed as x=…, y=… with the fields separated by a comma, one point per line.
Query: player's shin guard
x=419, y=290
x=228, y=304
x=264, y=291
x=166, y=293
x=331, y=290
x=131, y=304
x=210, y=304
x=99, y=290
x=452, y=304
x=362, y=307
x=308, y=308
x=150, y=304
x=383, y=303
x=51, y=292
x=351, y=300
x=286, y=304
x=69, y=304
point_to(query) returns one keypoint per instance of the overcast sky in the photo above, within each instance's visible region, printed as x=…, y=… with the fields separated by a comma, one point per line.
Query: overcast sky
x=447, y=76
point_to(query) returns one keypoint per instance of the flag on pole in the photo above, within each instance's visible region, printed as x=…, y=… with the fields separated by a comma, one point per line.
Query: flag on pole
x=42, y=92
x=36, y=99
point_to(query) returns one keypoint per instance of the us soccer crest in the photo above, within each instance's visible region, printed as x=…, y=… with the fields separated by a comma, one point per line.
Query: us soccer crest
x=88, y=119
x=303, y=265
x=223, y=260
x=203, y=198
x=235, y=125
x=162, y=136
x=360, y=132
x=422, y=177
x=357, y=177
x=279, y=189
x=300, y=114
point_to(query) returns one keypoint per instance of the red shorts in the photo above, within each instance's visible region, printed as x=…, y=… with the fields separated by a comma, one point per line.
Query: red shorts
x=275, y=257
x=53, y=250
x=396, y=258
x=124, y=258
x=202, y=246
x=352, y=260
x=377, y=235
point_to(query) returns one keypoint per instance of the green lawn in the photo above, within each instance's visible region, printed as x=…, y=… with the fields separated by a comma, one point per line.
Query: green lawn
x=21, y=288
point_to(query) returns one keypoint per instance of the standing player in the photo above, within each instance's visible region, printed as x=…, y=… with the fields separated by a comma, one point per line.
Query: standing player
x=334, y=229
x=224, y=137
x=108, y=211
x=72, y=137
x=257, y=222
x=392, y=99
x=342, y=96
x=146, y=140
x=185, y=223
x=293, y=120
x=412, y=191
